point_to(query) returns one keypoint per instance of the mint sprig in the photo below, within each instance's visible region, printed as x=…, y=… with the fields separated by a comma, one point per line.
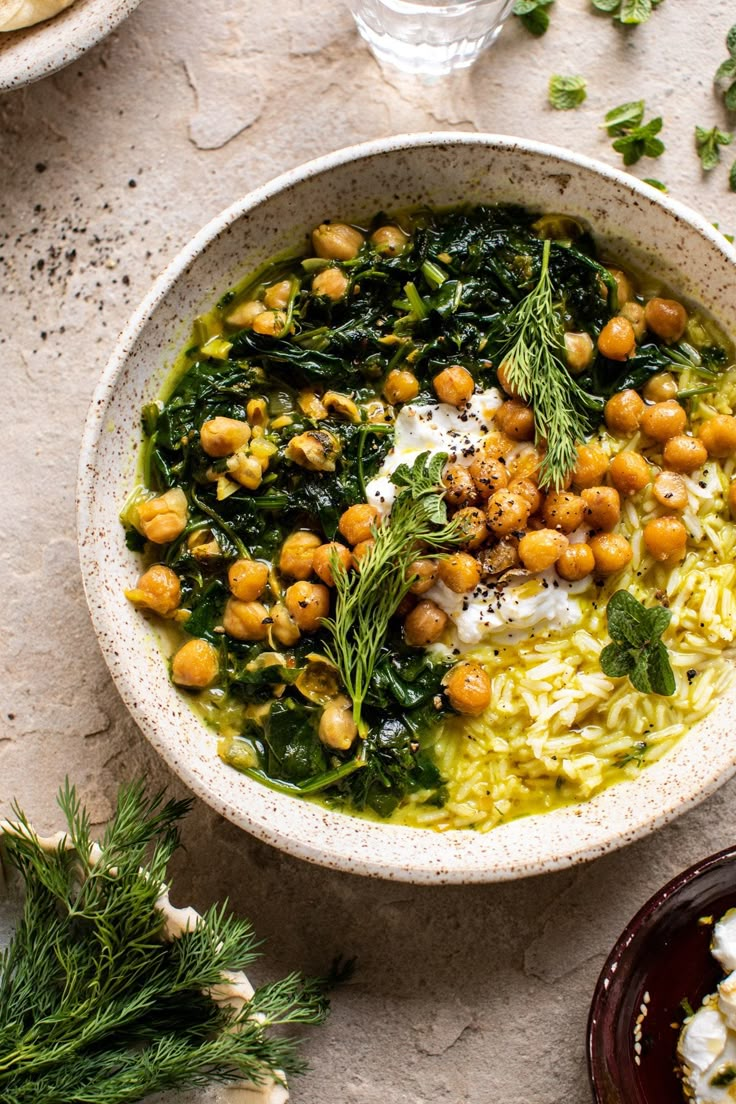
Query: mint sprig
x=533, y=15
x=708, y=143
x=725, y=78
x=636, y=649
x=633, y=138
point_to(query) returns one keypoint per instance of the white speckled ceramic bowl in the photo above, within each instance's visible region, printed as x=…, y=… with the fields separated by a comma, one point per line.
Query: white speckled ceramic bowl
x=35, y=52
x=437, y=169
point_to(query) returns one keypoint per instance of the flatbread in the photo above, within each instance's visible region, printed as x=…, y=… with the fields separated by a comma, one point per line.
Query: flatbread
x=15, y=14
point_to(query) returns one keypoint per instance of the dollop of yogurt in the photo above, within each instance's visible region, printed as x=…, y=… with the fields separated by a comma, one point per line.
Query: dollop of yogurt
x=707, y=1044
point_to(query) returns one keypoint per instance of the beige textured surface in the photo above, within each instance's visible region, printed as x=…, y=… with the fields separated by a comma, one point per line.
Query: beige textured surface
x=462, y=995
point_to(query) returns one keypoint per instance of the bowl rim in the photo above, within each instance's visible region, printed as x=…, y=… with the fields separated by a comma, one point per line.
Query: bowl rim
x=372, y=863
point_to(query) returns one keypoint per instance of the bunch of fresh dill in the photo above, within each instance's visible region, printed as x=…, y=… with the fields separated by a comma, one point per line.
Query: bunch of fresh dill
x=95, y=1006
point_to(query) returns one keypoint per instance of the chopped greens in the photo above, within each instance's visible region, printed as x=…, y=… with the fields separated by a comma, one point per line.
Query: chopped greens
x=637, y=650
x=566, y=93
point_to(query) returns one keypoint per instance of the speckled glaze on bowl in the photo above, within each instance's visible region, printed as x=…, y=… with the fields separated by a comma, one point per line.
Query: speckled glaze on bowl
x=439, y=169
x=664, y=953
x=35, y=52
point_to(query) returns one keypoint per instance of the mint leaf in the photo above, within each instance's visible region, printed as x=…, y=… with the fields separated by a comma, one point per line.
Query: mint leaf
x=618, y=119
x=708, y=143
x=655, y=184
x=634, y=138
x=566, y=93
x=732, y=178
x=617, y=662
x=725, y=75
x=532, y=15
x=661, y=675
x=635, y=11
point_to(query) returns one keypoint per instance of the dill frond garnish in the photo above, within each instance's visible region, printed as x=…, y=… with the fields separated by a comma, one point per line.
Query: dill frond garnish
x=531, y=349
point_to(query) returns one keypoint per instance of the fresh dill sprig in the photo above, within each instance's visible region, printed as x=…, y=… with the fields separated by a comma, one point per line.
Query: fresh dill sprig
x=367, y=598
x=532, y=341
x=95, y=1006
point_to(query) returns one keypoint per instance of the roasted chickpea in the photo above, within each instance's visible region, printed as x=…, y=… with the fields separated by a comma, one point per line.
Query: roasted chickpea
x=591, y=466
x=617, y=339
x=269, y=324
x=576, y=562
x=502, y=375
x=336, y=241
x=468, y=688
x=541, y=549
x=322, y=563
x=488, y=474
x=660, y=388
x=284, y=628
x=244, y=314
x=425, y=573
x=307, y=603
x=578, y=352
x=718, y=435
x=507, y=512
x=358, y=522
x=245, y=620
x=634, y=312
x=684, y=454
x=629, y=472
x=473, y=525
x=666, y=318
x=611, y=553
x=425, y=624
x=247, y=579
x=564, y=511
x=602, y=507
x=528, y=490
x=663, y=420
x=459, y=486
x=195, y=665
x=330, y=283
x=732, y=498
x=163, y=518
x=337, y=728
x=297, y=554
x=670, y=490
x=665, y=538
x=454, y=385
x=624, y=286
x=516, y=420
x=459, y=571
x=623, y=412
x=499, y=557
x=401, y=386
x=158, y=589
x=362, y=548
x=389, y=240
x=277, y=296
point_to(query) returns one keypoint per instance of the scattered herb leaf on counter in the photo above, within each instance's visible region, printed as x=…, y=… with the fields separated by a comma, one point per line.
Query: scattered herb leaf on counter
x=637, y=649
x=732, y=178
x=566, y=93
x=633, y=138
x=533, y=15
x=655, y=184
x=725, y=77
x=708, y=143
x=101, y=1000
x=628, y=12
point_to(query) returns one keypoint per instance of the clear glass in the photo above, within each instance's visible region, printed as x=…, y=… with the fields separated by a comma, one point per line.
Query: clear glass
x=429, y=37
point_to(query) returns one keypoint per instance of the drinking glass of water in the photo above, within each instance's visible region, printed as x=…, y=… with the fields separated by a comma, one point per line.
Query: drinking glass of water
x=429, y=37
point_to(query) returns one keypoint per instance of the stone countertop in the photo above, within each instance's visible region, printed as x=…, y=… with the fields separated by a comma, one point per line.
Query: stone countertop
x=475, y=994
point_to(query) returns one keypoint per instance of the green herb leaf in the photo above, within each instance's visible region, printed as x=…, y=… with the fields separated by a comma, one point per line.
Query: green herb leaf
x=725, y=75
x=732, y=178
x=617, y=662
x=532, y=15
x=619, y=120
x=628, y=12
x=636, y=649
x=708, y=143
x=566, y=93
x=655, y=184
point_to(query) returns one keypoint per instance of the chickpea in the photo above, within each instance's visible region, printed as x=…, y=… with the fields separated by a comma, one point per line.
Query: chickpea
x=502, y=375
x=297, y=554
x=425, y=572
x=454, y=385
x=591, y=466
x=389, y=240
x=663, y=420
x=500, y=557
x=684, y=454
x=516, y=420
x=163, y=518
x=468, y=688
x=195, y=665
x=541, y=549
x=460, y=572
x=245, y=620
x=629, y=472
x=277, y=296
x=473, y=526
x=617, y=339
x=666, y=318
x=270, y=324
x=670, y=490
x=611, y=553
x=362, y=548
x=634, y=312
x=247, y=579
x=578, y=352
x=660, y=387
x=665, y=538
x=529, y=491
x=358, y=522
x=624, y=286
x=564, y=510
x=284, y=628
x=337, y=728
x=623, y=412
x=330, y=283
x=459, y=486
x=307, y=603
x=322, y=563
x=336, y=241
x=575, y=563
x=223, y=436
x=245, y=313
x=401, y=386
x=488, y=474
x=718, y=435
x=507, y=511
x=158, y=589
x=602, y=507
x=732, y=498
x=425, y=624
